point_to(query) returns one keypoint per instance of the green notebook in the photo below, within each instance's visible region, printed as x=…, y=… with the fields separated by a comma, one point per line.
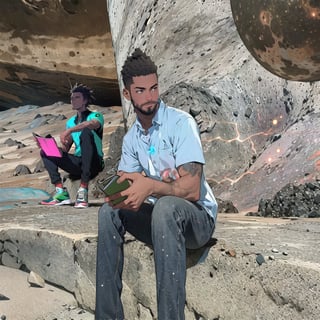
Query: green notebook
x=111, y=186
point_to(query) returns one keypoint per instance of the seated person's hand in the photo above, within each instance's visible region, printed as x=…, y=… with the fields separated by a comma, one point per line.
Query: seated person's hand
x=66, y=140
x=169, y=175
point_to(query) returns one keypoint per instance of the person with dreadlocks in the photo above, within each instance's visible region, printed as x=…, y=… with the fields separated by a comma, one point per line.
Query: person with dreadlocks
x=85, y=131
x=169, y=204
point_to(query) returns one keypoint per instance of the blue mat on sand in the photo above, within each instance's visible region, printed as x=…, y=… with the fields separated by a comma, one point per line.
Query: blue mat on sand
x=16, y=194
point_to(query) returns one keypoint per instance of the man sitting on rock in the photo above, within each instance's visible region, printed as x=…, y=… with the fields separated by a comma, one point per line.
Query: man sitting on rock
x=84, y=130
x=162, y=158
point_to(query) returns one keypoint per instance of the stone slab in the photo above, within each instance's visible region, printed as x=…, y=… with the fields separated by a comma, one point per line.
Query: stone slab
x=293, y=243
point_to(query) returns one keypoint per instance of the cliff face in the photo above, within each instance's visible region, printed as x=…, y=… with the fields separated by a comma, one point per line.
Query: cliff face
x=259, y=131
x=46, y=45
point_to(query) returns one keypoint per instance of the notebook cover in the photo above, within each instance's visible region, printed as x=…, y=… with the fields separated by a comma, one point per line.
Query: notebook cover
x=112, y=186
x=48, y=145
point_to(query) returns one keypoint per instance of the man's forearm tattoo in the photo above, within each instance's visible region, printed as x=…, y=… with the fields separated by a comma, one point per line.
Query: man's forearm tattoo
x=193, y=168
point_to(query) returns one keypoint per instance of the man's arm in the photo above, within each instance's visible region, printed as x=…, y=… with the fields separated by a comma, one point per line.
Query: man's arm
x=90, y=124
x=187, y=186
x=65, y=136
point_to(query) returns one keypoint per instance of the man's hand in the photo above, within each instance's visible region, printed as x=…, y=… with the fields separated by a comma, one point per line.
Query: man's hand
x=140, y=189
x=66, y=140
x=184, y=182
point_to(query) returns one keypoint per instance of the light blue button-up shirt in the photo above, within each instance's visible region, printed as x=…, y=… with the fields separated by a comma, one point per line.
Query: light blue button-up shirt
x=171, y=141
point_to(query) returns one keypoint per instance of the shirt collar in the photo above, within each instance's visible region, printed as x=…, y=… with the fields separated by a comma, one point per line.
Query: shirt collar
x=84, y=116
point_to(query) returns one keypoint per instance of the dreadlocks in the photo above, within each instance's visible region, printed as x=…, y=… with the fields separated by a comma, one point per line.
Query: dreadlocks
x=86, y=92
x=138, y=64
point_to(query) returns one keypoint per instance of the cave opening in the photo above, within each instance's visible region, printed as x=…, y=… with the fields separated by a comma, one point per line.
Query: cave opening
x=49, y=48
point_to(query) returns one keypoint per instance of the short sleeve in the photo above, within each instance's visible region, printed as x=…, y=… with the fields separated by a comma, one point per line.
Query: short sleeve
x=187, y=145
x=129, y=161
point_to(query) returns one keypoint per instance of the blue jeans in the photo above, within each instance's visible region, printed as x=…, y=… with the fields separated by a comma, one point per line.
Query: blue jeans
x=171, y=226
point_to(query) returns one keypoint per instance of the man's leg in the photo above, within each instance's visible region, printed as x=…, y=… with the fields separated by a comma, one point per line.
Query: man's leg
x=177, y=224
x=67, y=162
x=112, y=225
x=85, y=167
x=91, y=163
x=109, y=265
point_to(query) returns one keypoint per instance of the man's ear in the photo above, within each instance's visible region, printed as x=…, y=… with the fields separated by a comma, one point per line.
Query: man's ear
x=126, y=94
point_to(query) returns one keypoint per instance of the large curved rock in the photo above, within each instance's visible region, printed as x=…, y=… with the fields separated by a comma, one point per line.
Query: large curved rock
x=259, y=131
x=48, y=45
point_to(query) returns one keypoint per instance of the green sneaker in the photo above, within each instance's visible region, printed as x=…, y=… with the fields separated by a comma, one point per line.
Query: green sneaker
x=82, y=198
x=61, y=197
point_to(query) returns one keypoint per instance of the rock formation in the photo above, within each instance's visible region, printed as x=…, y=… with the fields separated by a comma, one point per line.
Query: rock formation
x=48, y=45
x=259, y=131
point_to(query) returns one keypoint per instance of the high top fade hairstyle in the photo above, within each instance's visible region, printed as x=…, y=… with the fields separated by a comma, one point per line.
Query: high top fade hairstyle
x=138, y=64
x=86, y=92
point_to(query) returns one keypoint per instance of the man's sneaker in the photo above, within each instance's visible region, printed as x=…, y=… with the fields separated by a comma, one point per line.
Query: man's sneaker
x=82, y=198
x=61, y=197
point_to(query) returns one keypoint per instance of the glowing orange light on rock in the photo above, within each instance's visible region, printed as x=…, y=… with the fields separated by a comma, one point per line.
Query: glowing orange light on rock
x=238, y=138
x=233, y=181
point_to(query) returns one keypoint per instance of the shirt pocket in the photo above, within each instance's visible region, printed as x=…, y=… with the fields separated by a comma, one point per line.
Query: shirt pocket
x=166, y=156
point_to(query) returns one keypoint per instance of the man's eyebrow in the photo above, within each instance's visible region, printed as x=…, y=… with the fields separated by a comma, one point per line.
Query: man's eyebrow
x=143, y=88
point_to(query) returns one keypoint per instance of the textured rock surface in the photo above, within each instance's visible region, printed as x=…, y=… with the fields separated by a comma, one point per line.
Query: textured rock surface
x=59, y=244
x=259, y=131
x=46, y=45
x=293, y=201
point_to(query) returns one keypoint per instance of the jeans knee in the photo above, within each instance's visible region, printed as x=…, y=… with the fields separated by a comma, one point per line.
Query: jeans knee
x=164, y=210
x=104, y=215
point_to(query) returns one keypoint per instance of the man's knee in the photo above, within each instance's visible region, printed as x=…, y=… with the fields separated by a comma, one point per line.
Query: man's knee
x=42, y=154
x=86, y=138
x=104, y=215
x=165, y=210
x=86, y=132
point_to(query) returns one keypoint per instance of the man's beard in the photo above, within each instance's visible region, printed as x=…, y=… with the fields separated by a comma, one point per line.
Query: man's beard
x=150, y=111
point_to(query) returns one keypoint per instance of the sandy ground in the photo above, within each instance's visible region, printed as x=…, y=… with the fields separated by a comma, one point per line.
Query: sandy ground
x=20, y=301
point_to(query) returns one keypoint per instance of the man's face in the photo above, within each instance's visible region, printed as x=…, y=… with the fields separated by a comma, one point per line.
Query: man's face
x=78, y=102
x=144, y=94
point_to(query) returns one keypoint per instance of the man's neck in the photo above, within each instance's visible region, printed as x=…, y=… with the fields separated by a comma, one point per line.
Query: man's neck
x=146, y=121
x=80, y=114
